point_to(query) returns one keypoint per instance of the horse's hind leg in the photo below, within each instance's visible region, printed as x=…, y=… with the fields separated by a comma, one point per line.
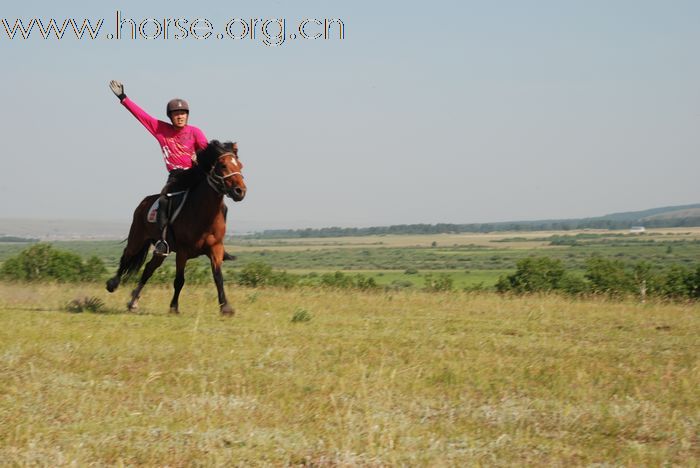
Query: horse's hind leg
x=151, y=267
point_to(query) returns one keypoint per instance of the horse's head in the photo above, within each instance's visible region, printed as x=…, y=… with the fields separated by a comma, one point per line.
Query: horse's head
x=223, y=168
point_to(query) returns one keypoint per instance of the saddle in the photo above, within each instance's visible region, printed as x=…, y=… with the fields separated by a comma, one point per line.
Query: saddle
x=177, y=201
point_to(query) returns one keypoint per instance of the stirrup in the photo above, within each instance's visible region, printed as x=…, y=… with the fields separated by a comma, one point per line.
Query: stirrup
x=162, y=248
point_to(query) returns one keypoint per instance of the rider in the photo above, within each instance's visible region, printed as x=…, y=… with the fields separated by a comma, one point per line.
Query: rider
x=179, y=143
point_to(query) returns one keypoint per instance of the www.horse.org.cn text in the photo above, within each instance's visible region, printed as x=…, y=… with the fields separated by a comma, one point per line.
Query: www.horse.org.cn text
x=271, y=32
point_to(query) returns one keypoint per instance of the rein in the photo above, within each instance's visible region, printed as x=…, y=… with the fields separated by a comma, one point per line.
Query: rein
x=218, y=182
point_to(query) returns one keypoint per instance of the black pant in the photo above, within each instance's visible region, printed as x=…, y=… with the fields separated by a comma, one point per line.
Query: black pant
x=178, y=179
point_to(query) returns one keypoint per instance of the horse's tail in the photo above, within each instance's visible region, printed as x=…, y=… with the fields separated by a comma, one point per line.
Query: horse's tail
x=132, y=264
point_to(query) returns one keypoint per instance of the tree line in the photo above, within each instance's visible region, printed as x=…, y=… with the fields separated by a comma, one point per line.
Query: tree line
x=446, y=228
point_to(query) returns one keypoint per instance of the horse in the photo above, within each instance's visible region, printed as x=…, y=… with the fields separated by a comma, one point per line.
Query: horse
x=199, y=228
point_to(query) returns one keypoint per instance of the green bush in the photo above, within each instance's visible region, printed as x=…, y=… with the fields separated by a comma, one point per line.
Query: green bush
x=94, y=269
x=677, y=283
x=603, y=276
x=438, y=283
x=342, y=281
x=533, y=274
x=41, y=262
x=301, y=315
x=694, y=283
x=398, y=285
x=574, y=285
x=365, y=283
x=336, y=280
x=259, y=274
x=255, y=274
x=609, y=277
x=475, y=288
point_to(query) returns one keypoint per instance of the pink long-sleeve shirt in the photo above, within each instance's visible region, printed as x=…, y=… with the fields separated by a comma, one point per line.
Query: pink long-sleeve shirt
x=178, y=145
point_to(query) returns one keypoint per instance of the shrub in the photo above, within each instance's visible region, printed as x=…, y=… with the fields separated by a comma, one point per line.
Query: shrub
x=284, y=280
x=342, y=281
x=694, y=284
x=476, y=287
x=255, y=274
x=335, y=280
x=301, y=315
x=89, y=304
x=609, y=277
x=438, y=283
x=677, y=283
x=398, y=285
x=365, y=283
x=93, y=269
x=259, y=274
x=533, y=274
x=41, y=262
x=574, y=285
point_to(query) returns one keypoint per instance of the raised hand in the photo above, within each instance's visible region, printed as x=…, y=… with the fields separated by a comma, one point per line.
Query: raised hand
x=117, y=88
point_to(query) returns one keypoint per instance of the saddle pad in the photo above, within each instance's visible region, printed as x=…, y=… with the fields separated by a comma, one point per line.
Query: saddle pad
x=152, y=212
x=178, y=201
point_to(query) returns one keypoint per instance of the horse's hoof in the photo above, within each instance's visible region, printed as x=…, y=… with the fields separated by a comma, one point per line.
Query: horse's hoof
x=132, y=305
x=227, y=310
x=174, y=310
x=229, y=257
x=112, y=284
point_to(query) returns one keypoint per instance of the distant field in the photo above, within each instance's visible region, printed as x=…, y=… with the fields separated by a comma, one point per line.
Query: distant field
x=370, y=379
x=449, y=239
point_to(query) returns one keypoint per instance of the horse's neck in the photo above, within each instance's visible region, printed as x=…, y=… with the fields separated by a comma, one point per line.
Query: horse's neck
x=207, y=201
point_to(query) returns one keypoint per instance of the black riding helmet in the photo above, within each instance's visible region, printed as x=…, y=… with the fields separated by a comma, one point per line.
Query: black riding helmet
x=177, y=104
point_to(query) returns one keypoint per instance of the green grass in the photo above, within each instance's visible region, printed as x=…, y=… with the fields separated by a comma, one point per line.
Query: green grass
x=404, y=378
x=484, y=256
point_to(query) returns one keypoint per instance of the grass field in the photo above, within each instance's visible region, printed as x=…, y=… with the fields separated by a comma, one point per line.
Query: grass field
x=406, y=378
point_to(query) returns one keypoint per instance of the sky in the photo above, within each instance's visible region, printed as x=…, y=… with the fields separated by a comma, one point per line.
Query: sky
x=425, y=112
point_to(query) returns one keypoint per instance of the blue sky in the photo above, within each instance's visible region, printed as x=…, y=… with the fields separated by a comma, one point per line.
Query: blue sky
x=425, y=112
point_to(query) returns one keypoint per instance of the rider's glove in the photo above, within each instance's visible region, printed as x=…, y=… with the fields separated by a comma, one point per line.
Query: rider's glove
x=118, y=89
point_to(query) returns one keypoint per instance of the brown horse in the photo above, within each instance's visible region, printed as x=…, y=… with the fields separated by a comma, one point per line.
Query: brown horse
x=198, y=230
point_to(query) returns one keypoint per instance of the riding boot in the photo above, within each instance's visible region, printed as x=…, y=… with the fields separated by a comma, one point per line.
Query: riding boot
x=162, y=247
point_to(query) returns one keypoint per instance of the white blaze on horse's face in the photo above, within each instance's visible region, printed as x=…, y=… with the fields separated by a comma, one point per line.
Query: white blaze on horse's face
x=231, y=172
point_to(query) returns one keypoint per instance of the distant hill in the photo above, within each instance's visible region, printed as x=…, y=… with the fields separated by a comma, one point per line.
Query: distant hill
x=669, y=216
x=667, y=212
x=676, y=214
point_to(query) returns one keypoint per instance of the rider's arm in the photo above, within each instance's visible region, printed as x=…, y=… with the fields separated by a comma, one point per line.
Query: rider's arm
x=200, y=141
x=151, y=123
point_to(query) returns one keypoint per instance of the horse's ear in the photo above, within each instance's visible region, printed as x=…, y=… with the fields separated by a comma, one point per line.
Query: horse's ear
x=228, y=147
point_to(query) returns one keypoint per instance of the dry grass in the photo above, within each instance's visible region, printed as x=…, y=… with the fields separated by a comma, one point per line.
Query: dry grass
x=371, y=379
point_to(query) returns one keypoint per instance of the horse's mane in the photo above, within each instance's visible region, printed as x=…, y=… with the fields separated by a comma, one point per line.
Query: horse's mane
x=207, y=157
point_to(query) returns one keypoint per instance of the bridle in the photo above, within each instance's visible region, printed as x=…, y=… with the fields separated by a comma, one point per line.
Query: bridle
x=218, y=182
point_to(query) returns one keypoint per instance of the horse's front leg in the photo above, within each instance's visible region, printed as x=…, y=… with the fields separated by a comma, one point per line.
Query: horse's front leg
x=151, y=266
x=180, y=262
x=216, y=256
